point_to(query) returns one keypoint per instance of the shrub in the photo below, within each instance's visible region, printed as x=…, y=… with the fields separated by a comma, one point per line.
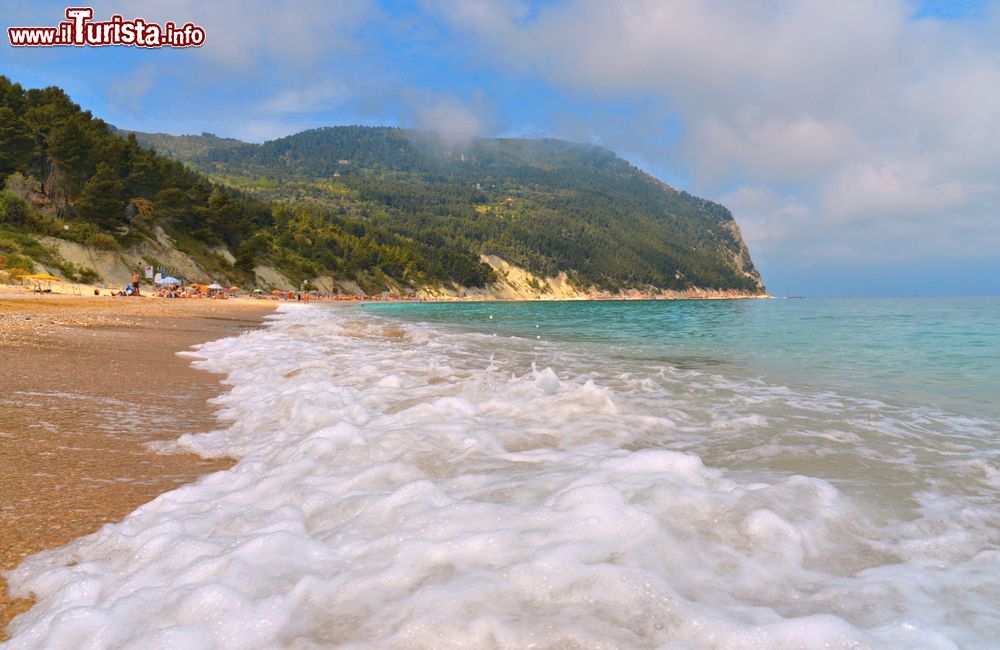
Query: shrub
x=102, y=240
x=21, y=186
x=13, y=209
x=87, y=234
x=81, y=274
x=16, y=262
x=88, y=276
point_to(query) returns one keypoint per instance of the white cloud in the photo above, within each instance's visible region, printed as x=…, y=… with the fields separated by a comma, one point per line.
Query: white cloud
x=242, y=35
x=765, y=215
x=898, y=189
x=126, y=93
x=456, y=120
x=313, y=97
x=774, y=149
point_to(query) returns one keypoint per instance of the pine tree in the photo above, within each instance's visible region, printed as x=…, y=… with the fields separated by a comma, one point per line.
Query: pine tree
x=69, y=149
x=101, y=201
x=143, y=176
x=244, y=257
x=16, y=143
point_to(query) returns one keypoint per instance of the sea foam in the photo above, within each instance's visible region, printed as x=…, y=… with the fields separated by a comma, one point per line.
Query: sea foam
x=454, y=490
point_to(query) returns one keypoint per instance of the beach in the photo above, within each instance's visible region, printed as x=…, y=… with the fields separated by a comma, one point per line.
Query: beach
x=87, y=382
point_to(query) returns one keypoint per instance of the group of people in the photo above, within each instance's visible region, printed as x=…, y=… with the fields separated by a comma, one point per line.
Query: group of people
x=196, y=291
x=133, y=288
x=184, y=292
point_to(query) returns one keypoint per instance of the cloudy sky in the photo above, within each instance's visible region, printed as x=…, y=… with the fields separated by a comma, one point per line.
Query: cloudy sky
x=856, y=141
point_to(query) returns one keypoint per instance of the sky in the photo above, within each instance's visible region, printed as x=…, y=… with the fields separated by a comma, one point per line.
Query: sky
x=857, y=142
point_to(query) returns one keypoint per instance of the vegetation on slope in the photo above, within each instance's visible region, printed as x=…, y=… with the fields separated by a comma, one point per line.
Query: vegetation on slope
x=69, y=175
x=546, y=205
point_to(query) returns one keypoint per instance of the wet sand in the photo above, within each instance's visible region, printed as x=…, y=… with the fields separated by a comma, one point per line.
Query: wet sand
x=85, y=383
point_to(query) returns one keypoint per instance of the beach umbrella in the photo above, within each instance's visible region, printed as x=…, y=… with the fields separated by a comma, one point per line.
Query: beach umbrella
x=40, y=276
x=214, y=287
x=234, y=288
x=168, y=280
x=258, y=291
x=277, y=292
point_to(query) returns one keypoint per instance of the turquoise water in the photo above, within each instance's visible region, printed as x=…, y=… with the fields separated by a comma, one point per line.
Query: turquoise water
x=940, y=352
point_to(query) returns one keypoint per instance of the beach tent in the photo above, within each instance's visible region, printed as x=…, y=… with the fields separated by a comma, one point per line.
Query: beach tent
x=258, y=291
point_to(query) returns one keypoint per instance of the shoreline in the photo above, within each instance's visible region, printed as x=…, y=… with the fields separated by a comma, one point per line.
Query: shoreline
x=88, y=382
x=496, y=293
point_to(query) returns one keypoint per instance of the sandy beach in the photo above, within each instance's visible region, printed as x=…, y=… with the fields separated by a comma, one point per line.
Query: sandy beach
x=86, y=383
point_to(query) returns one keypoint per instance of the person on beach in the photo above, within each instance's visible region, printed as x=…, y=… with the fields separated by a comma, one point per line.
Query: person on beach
x=135, y=284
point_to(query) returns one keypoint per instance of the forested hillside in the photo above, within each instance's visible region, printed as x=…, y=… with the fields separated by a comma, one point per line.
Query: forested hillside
x=546, y=205
x=69, y=175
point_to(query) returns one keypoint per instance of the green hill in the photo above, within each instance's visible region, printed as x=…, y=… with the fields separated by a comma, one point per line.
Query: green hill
x=545, y=205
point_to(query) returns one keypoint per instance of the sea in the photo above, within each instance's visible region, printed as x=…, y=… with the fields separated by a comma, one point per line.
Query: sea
x=668, y=474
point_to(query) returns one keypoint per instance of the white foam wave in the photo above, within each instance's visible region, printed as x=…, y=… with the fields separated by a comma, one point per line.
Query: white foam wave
x=438, y=490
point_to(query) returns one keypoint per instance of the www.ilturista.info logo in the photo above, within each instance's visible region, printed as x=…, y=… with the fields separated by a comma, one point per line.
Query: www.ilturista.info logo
x=79, y=30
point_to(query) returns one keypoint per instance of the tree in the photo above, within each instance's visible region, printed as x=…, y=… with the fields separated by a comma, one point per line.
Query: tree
x=171, y=206
x=221, y=217
x=143, y=176
x=244, y=257
x=69, y=149
x=101, y=201
x=16, y=143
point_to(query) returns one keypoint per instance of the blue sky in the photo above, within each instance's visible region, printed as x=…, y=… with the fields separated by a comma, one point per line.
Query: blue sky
x=857, y=143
